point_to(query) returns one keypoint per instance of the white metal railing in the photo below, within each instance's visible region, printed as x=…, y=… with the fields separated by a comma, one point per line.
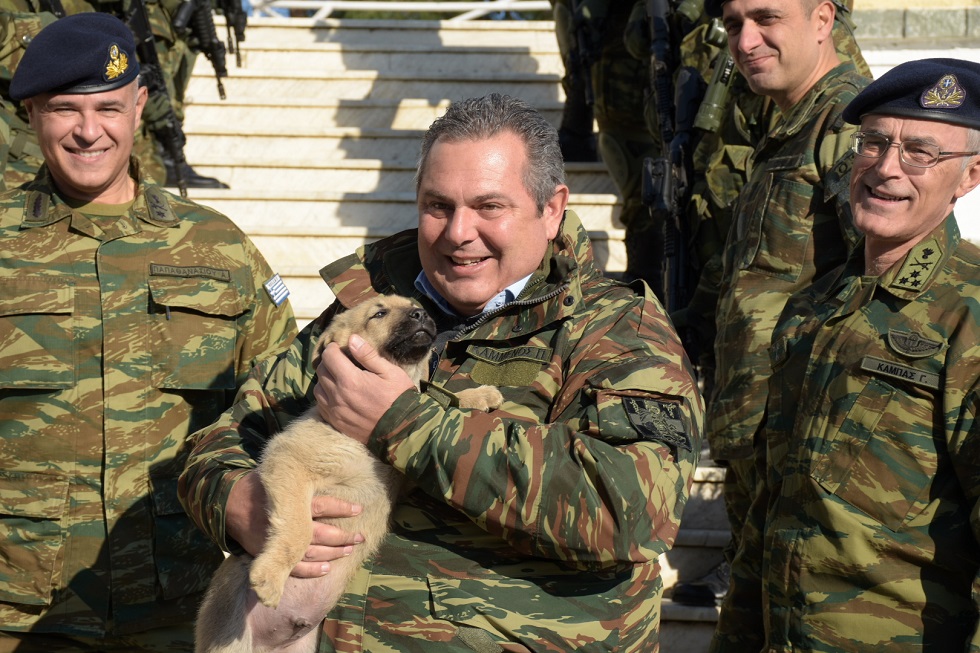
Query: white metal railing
x=319, y=9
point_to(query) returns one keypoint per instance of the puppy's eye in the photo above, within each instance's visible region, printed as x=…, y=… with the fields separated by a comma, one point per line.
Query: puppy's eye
x=380, y=314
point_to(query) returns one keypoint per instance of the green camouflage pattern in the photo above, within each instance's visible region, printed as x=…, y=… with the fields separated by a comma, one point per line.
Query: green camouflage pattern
x=20, y=155
x=537, y=526
x=624, y=140
x=720, y=163
x=119, y=335
x=864, y=536
x=792, y=224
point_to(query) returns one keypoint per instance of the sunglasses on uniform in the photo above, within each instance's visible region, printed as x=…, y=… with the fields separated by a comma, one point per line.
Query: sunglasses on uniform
x=914, y=153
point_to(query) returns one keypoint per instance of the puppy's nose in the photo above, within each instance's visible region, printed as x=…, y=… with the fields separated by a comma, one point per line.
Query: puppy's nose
x=417, y=314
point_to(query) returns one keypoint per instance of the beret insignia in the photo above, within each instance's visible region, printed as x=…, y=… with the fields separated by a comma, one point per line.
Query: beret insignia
x=913, y=345
x=946, y=94
x=118, y=63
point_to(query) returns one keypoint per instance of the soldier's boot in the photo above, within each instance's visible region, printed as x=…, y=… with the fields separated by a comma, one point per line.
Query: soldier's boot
x=191, y=177
x=707, y=590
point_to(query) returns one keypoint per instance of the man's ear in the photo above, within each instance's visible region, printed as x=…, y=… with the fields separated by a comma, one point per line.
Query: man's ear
x=971, y=177
x=554, y=210
x=141, y=96
x=824, y=13
x=29, y=107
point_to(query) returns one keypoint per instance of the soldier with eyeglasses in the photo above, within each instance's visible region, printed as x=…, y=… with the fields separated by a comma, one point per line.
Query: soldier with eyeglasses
x=865, y=534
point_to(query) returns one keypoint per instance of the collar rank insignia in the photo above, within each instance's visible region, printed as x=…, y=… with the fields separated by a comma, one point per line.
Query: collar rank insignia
x=946, y=94
x=118, y=63
x=913, y=345
x=918, y=266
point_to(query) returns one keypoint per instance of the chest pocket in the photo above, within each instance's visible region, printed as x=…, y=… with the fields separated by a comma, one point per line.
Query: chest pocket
x=195, y=332
x=37, y=348
x=775, y=222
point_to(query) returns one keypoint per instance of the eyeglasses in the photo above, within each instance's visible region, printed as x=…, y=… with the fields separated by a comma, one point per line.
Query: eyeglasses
x=914, y=153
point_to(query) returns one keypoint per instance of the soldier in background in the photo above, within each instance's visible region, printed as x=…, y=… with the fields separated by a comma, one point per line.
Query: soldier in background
x=176, y=55
x=536, y=526
x=865, y=533
x=791, y=223
x=591, y=36
x=129, y=317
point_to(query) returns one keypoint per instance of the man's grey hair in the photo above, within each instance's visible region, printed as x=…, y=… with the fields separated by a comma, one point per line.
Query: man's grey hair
x=485, y=117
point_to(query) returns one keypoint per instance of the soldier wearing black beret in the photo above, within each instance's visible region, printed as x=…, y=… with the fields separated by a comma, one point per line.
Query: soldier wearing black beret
x=865, y=533
x=128, y=318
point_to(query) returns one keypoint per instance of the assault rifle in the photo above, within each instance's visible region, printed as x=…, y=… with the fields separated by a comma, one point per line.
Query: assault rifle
x=665, y=179
x=235, y=21
x=195, y=18
x=167, y=129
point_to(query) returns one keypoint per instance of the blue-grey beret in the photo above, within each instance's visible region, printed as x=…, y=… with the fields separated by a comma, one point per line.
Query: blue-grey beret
x=90, y=52
x=947, y=90
x=713, y=7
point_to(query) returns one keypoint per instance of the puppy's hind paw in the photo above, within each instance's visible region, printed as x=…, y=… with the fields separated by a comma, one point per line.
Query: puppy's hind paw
x=485, y=397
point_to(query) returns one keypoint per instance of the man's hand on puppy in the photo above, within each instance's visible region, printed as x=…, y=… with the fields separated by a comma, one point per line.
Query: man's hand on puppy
x=353, y=399
x=246, y=522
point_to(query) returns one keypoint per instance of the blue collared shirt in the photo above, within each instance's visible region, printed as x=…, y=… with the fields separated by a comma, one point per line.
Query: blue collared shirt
x=505, y=296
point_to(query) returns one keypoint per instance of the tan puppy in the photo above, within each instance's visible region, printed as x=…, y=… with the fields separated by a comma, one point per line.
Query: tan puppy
x=311, y=458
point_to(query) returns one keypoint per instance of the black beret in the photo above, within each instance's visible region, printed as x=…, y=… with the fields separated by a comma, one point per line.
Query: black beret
x=90, y=52
x=947, y=90
x=713, y=7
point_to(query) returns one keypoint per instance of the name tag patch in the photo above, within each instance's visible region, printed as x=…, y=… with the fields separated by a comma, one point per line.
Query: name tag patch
x=186, y=272
x=900, y=372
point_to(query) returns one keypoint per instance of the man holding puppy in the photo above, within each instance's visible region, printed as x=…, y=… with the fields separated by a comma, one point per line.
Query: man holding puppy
x=534, y=526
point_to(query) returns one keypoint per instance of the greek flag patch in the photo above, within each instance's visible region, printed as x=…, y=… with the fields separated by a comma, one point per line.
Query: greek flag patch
x=278, y=292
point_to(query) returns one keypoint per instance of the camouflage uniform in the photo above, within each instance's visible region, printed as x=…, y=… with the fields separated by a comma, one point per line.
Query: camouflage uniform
x=792, y=224
x=20, y=156
x=624, y=138
x=865, y=535
x=120, y=335
x=534, y=527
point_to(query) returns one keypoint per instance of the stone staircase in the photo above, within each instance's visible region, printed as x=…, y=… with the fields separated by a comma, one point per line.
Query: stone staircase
x=318, y=139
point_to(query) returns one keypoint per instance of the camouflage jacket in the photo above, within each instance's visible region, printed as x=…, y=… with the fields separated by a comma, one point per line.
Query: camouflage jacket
x=872, y=467
x=537, y=526
x=120, y=336
x=792, y=224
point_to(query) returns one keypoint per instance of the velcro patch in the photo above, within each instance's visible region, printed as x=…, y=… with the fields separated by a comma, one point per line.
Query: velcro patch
x=657, y=421
x=899, y=371
x=186, y=272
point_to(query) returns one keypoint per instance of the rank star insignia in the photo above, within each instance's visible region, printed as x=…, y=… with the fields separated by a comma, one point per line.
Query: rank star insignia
x=118, y=63
x=918, y=266
x=946, y=94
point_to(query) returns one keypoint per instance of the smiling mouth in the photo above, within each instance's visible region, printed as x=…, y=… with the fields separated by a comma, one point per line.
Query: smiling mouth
x=466, y=262
x=885, y=198
x=88, y=154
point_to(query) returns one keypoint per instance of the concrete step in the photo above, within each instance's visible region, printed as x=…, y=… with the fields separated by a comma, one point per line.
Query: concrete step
x=256, y=113
x=352, y=175
x=686, y=629
x=532, y=35
x=384, y=58
x=362, y=84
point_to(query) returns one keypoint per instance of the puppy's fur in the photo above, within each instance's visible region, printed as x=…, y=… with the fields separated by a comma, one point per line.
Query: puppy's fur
x=311, y=458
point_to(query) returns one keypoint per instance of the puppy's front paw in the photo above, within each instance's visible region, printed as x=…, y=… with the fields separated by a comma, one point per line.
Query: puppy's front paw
x=267, y=581
x=486, y=397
